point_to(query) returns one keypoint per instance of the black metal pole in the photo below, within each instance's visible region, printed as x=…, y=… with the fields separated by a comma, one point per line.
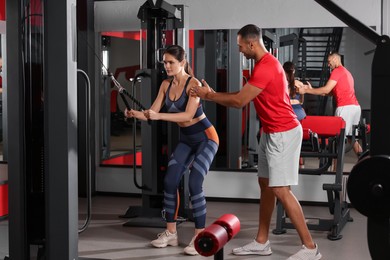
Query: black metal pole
x=380, y=144
x=219, y=255
x=349, y=20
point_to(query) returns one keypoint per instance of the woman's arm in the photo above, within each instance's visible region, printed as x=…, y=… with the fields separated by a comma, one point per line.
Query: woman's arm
x=181, y=117
x=156, y=106
x=134, y=113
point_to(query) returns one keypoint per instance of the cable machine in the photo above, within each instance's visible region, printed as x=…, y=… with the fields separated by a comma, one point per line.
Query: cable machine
x=43, y=157
x=162, y=24
x=43, y=214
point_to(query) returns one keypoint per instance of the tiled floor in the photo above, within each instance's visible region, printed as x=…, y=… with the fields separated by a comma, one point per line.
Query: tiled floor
x=107, y=238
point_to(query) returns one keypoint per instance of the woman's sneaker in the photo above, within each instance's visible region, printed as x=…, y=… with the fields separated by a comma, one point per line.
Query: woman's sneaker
x=190, y=249
x=306, y=254
x=253, y=248
x=165, y=239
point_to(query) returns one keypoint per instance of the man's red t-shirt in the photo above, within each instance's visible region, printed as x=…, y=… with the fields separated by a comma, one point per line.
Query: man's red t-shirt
x=344, y=91
x=273, y=103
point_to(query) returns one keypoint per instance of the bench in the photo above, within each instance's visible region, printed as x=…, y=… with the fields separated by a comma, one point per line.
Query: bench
x=323, y=138
x=3, y=191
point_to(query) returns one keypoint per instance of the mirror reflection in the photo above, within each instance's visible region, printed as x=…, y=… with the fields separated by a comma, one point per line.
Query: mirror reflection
x=210, y=53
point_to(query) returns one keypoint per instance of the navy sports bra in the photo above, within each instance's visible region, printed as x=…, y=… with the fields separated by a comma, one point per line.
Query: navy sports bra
x=181, y=103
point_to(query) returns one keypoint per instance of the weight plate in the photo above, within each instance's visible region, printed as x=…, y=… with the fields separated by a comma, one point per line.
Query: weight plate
x=368, y=186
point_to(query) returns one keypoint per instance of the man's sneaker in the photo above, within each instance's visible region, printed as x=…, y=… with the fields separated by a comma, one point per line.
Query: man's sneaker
x=253, y=248
x=190, y=249
x=165, y=239
x=306, y=254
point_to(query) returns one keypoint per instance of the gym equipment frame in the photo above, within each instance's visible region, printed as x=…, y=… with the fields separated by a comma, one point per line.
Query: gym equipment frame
x=324, y=138
x=370, y=176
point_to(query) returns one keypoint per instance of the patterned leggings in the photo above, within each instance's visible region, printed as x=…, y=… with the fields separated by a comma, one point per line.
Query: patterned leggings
x=196, y=149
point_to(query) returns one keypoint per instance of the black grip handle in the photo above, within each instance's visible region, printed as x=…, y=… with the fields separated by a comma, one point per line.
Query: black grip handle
x=138, y=103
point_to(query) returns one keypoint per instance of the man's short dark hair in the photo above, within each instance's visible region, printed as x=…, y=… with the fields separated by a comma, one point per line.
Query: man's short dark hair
x=334, y=53
x=250, y=31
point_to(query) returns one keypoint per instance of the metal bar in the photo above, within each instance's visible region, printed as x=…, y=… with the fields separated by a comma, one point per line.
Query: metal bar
x=88, y=152
x=379, y=143
x=18, y=245
x=234, y=115
x=349, y=20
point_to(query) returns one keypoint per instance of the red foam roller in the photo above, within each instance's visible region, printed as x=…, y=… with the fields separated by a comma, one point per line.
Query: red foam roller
x=231, y=223
x=211, y=240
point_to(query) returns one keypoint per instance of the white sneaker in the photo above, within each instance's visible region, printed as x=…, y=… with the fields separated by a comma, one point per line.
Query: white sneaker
x=190, y=249
x=165, y=239
x=306, y=254
x=254, y=248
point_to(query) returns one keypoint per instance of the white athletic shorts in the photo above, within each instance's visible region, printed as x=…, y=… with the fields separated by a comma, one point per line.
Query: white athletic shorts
x=351, y=115
x=279, y=157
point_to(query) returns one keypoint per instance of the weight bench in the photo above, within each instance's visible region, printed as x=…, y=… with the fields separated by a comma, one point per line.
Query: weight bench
x=3, y=190
x=323, y=138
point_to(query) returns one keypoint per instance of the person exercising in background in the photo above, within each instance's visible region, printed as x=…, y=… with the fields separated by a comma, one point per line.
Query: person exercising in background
x=196, y=149
x=341, y=86
x=296, y=99
x=280, y=142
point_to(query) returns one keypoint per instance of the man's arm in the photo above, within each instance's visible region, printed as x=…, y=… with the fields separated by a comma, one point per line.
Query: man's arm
x=237, y=99
x=325, y=90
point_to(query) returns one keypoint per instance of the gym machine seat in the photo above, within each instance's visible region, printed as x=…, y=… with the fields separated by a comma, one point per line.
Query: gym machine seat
x=3, y=191
x=323, y=138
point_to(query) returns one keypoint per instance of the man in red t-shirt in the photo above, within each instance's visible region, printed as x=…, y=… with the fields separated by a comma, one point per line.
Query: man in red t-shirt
x=280, y=142
x=341, y=86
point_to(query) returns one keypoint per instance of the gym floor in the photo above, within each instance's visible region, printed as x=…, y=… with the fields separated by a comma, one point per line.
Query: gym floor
x=107, y=238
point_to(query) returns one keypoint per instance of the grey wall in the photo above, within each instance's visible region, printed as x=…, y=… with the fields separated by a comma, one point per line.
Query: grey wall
x=354, y=48
x=233, y=14
x=385, y=18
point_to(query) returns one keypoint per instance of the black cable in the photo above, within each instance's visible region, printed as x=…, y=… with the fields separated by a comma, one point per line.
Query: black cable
x=123, y=92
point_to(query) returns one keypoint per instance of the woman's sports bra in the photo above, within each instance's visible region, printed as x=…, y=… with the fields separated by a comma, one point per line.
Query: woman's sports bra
x=180, y=104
